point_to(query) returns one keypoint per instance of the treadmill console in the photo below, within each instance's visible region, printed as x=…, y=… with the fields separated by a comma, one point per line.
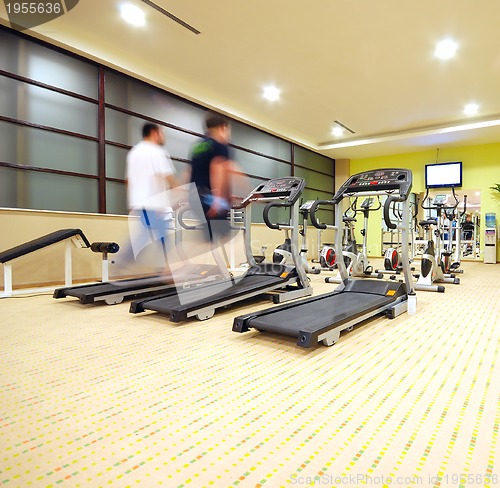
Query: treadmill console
x=377, y=180
x=286, y=189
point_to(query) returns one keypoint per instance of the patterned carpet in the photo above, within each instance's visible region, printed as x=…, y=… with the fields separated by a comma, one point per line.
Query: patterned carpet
x=92, y=396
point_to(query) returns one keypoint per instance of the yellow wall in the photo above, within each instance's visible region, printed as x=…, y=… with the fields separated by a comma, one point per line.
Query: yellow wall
x=481, y=169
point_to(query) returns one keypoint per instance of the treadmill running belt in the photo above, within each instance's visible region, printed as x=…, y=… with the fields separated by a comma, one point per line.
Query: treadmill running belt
x=313, y=315
x=205, y=296
x=116, y=287
x=134, y=287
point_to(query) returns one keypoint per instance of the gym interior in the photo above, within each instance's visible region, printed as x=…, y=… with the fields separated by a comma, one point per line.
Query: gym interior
x=340, y=102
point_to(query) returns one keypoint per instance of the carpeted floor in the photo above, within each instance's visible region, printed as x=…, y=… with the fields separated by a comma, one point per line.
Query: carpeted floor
x=92, y=396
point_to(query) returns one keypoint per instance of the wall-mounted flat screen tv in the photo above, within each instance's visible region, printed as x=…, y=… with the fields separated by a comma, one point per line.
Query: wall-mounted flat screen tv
x=443, y=175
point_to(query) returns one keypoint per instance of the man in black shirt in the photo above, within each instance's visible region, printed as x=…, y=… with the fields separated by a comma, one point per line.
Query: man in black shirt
x=468, y=235
x=468, y=228
x=211, y=169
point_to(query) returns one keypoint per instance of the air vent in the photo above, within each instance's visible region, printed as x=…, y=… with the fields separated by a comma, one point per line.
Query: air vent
x=172, y=16
x=344, y=127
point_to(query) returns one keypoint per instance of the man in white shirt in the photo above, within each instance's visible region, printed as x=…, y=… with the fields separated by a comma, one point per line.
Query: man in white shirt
x=150, y=174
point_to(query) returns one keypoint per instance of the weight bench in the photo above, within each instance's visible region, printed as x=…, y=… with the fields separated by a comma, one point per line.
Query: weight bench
x=75, y=236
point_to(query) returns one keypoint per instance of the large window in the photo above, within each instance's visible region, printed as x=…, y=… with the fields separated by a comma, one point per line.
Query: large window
x=318, y=171
x=67, y=124
x=48, y=127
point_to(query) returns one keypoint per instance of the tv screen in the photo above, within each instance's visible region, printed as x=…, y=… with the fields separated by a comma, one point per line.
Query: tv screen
x=443, y=175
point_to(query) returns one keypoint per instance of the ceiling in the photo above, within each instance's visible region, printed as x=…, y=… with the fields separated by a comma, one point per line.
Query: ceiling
x=369, y=65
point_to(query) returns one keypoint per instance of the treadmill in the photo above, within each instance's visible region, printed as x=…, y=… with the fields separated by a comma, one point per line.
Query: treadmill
x=323, y=317
x=114, y=292
x=283, y=282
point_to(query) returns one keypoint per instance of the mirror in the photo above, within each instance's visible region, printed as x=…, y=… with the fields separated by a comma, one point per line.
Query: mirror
x=470, y=220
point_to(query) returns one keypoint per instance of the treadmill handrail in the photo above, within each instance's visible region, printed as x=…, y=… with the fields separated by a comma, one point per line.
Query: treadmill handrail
x=180, y=218
x=265, y=214
x=387, y=218
x=313, y=210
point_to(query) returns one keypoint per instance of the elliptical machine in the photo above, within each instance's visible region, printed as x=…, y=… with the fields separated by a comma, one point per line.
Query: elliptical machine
x=431, y=266
x=453, y=263
x=448, y=263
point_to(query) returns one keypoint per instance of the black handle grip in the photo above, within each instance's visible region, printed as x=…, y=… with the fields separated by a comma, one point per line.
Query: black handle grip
x=312, y=213
x=265, y=213
x=387, y=205
x=109, y=247
x=424, y=199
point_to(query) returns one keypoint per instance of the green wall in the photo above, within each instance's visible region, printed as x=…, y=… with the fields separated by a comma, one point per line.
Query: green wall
x=481, y=169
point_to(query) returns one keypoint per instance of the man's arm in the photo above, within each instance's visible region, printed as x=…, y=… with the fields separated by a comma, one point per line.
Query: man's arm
x=219, y=182
x=218, y=172
x=172, y=181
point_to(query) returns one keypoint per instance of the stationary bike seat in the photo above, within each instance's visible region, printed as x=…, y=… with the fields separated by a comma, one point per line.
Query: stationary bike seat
x=427, y=222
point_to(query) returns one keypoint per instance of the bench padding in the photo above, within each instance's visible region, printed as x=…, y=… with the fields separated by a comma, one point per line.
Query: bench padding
x=41, y=242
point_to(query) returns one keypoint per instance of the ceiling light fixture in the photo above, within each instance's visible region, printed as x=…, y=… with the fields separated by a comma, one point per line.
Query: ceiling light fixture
x=471, y=109
x=446, y=49
x=271, y=93
x=133, y=15
x=337, y=131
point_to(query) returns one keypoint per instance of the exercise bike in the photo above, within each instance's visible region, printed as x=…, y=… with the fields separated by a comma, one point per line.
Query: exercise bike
x=358, y=263
x=327, y=254
x=392, y=256
x=283, y=253
x=393, y=263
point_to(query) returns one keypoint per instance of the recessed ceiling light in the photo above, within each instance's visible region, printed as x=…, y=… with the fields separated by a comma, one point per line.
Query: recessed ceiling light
x=133, y=15
x=471, y=109
x=271, y=93
x=446, y=49
x=337, y=131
